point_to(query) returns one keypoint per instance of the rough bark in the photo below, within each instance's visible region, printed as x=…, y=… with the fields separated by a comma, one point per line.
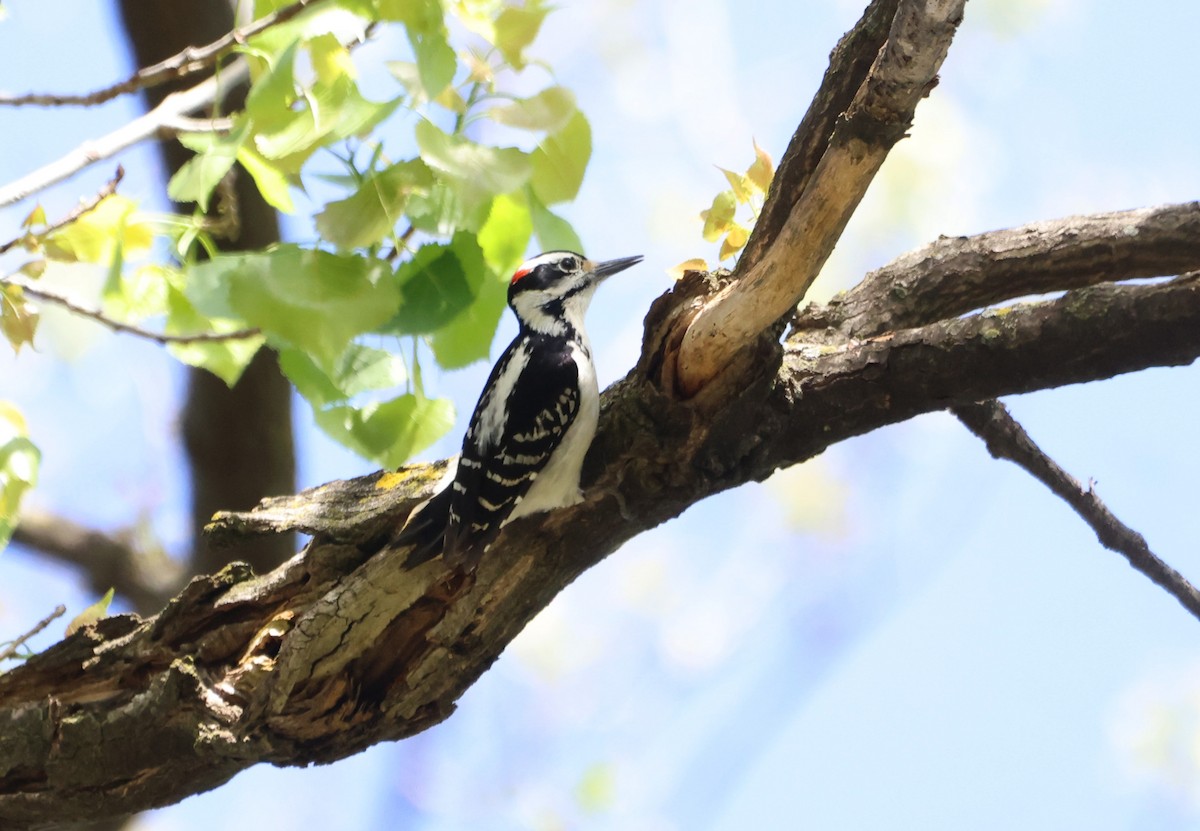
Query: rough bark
x=341, y=647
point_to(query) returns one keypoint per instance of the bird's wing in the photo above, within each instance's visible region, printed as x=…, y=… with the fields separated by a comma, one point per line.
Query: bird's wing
x=521, y=417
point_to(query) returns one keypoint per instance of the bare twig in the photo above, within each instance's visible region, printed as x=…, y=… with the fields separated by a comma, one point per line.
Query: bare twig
x=83, y=208
x=15, y=645
x=155, y=123
x=1006, y=439
x=50, y=296
x=188, y=62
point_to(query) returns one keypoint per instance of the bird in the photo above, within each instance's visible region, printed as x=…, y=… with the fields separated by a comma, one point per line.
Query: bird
x=524, y=447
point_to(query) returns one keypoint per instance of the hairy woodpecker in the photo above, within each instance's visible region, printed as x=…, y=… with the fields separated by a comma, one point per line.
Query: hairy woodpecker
x=534, y=422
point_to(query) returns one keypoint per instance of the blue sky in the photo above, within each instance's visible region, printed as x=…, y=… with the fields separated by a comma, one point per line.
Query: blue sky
x=943, y=645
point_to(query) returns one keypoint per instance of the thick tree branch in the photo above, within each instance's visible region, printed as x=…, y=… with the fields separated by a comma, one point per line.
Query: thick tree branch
x=956, y=275
x=339, y=649
x=879, y=116
x=1006, y=439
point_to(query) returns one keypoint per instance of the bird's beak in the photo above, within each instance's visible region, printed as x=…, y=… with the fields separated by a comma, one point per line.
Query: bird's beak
x=610, y=267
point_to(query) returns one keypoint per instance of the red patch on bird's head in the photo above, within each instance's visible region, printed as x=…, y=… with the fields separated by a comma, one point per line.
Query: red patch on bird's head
x=521, y=272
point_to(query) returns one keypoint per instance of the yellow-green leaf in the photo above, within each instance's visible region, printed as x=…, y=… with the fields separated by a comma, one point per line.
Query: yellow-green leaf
x=36, y=217
x=91, y=614
x=719, y=216
x=734, y=242
x=18, y=319
x=560, y=161
x=695, y=264
x=742, y=187
x=549, y=110
x=516, y=28
x=762, y=171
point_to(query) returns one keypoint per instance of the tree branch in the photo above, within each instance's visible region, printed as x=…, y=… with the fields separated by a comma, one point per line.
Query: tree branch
x=14, y=646
x=152, y=124
x=47, y=295
x=341, y=647
x=145, y=577
x=187, y=62
x=82, y=209
x=879, y=116
x=1006, y=439
x=956, y=275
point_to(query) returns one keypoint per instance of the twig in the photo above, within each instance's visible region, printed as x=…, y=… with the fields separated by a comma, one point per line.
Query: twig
x=110, y=187
x=13, y=646
x=1006, y=439
x=188, y=62
x=50, y=296
x=153, y=124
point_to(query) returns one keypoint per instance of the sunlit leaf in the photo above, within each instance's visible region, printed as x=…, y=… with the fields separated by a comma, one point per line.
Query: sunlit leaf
x=330, y=59
x=553, y=232
x=549, y=110
x=270, y=98
x=468, y=337
x=369, y=214
x=676, y=272
x=200, y=175
x=762, y=170
x=560, y=161
x=313, y=300
x=492, y=169
x=504, y=238
x=35, y=217
x=436, y=62
x=742, y=187
x=92, y=237
x=19, y=461
x=91, y=614
x=391, y=432
x=272, y=183
x=516, y=28
x=734, y=241
x=719, y=216
x=18, y=319
x=227, y=359
x=437, y=285
x=359, y=369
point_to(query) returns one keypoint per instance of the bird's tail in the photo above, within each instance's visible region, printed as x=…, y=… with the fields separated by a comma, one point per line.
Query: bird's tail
x=425, y=529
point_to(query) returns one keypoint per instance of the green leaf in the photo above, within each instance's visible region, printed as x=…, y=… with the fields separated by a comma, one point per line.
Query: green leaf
x=136, y=294
x=370, y=214
x=269, y=101
x=436, y=61
x=493, y=170
x=335, y=112
x=200, y=175
x=549, y=110
x=560, y=160
x=420, y=16
x=91, y=614
x=391, y=432
x=504, y=238
x=19, y=461
x=516, y=28
x=437, y=285
x=226, y=359
x=359, y=369
x=93, y=237
x=312, y=300
x=446, y=208
x=468, y=337
x=272, y=182
x=553, y=232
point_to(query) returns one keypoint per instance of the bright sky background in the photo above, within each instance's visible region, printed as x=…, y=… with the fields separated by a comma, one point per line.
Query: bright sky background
x=902, y=634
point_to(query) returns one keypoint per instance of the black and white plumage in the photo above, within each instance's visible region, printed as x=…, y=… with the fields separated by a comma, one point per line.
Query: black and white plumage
x=534, y=422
